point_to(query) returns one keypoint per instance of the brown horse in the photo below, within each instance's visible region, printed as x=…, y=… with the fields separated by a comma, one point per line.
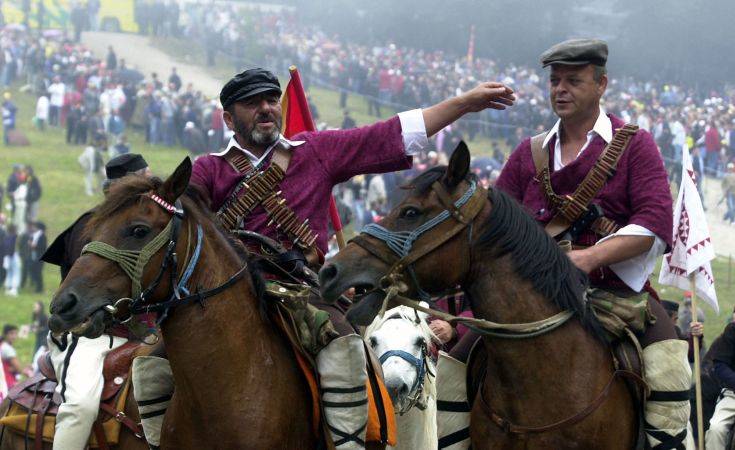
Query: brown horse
x=237, y=382
x=513, y=273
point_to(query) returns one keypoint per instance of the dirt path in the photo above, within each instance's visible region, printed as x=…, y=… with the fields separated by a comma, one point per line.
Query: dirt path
x=141, y=55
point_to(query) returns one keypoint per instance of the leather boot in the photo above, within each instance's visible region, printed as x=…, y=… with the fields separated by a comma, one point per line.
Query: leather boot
x=343, y=377
x=452, y=405
x=667, y=410
x=153, y=386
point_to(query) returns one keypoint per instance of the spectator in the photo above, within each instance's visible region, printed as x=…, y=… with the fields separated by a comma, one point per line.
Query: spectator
x=9, y=111
x=56, y=90
x=111, y=58
x=39, y=325
x=347, y=121
x=38, y=243
x=92, y=163
x=193, y=139
x=121, y=147
x=11, y=261
x=174, y=80
x=11, y=367
x=42, y=112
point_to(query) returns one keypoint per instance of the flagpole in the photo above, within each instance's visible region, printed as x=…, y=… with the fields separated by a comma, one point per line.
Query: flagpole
x=697, y=370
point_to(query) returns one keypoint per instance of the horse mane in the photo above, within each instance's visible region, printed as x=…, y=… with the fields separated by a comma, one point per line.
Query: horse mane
x=130, y=189
x=535, y=256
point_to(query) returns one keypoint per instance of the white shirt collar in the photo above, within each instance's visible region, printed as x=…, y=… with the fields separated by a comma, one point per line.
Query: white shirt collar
x=253, y=158
x=602, y=128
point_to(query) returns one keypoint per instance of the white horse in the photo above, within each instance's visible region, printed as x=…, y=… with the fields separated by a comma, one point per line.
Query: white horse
x=402, y=339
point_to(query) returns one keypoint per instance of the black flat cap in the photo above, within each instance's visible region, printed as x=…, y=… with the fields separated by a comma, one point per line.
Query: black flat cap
x=247, y=84
x=670, y=306
x=122, y=165
x=576, y=52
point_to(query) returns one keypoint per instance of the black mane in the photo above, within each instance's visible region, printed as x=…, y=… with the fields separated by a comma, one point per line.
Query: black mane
x=535, y=256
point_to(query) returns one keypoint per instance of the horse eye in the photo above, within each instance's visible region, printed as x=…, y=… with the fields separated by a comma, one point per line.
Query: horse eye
x=139, y=231
x=410, y=212
x=419, y=342
x=373, y=342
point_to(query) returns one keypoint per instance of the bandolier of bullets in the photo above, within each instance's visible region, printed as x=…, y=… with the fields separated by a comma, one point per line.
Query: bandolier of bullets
x=286, y=221
x=259, y=189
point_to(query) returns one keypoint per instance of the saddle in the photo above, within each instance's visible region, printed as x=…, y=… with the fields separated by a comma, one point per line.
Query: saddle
x=35, y=403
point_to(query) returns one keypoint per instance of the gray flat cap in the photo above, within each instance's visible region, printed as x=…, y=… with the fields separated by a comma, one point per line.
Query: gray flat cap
x=576, y=52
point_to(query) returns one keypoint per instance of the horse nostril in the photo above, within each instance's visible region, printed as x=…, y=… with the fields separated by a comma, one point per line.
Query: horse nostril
x=404, y=389
x=328, y=273
x=65, y=303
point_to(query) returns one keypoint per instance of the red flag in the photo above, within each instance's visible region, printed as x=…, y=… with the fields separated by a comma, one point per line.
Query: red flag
x=297, y=118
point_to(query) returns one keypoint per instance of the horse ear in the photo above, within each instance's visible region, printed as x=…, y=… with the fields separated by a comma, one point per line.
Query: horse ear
x=176, y=183
x=459, y=166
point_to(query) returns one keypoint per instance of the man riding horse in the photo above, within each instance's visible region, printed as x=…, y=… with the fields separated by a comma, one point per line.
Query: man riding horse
x=601, y=184
x=280, y=189
x=77, y=360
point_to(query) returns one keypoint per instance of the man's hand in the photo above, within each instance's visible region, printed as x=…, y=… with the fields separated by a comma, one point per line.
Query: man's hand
x=488, y=95
x=584, y=260
x=696, y=329
x=443, y=330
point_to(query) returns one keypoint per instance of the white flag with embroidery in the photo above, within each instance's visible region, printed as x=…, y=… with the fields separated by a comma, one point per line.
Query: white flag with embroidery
x=692, y=248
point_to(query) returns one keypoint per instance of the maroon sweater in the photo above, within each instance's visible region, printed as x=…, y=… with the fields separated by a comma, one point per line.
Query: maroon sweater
x=324, y=160
x=638, y=193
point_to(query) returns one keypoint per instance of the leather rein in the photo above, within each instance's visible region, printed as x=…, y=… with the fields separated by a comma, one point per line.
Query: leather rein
x=133, y=262
x=400, y=256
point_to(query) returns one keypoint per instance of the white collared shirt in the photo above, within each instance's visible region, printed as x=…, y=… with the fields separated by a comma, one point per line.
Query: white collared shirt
x=634, y=271
x=413, y=131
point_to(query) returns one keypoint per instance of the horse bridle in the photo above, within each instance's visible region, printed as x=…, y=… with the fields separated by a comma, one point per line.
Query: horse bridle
x=401, y=254
x=133, y=263
x=421, y=365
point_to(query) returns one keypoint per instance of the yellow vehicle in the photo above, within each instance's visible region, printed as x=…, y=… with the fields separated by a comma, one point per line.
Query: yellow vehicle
x=114, y=15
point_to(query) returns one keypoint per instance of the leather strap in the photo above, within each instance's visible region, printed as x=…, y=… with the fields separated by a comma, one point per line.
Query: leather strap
x=123, y=419
x=40, y=415
x=512, y=428
x=539, y=153
x=570, y=208
x=99, y=434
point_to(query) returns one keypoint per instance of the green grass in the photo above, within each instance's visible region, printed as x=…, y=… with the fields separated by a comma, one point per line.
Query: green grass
x=63, y=199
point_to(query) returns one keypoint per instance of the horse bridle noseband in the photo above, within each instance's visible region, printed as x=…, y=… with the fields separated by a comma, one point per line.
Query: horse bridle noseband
x=133, y=263
x=401, y=254
x=421, y=365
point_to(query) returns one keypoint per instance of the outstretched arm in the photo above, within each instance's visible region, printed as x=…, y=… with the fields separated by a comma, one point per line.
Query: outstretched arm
x=486, y=95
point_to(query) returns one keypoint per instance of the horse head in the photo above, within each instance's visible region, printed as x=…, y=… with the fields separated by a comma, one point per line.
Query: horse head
x=402, y=341
x=419, y=248
x=133, y=232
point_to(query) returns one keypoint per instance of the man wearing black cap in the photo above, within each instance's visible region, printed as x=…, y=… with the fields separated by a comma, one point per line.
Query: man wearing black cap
x=280, y=188
x=601, y=184
x=82, y=380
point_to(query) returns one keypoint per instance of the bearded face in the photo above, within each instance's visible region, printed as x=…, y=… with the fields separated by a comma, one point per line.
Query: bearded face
x=256, y=120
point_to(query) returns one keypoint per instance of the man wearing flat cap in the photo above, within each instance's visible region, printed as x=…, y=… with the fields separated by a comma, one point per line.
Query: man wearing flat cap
x=601, y=184
x=78, y=361
x=280, y=188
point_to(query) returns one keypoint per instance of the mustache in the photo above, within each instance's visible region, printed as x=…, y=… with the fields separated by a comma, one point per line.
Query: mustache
x=265, y=118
